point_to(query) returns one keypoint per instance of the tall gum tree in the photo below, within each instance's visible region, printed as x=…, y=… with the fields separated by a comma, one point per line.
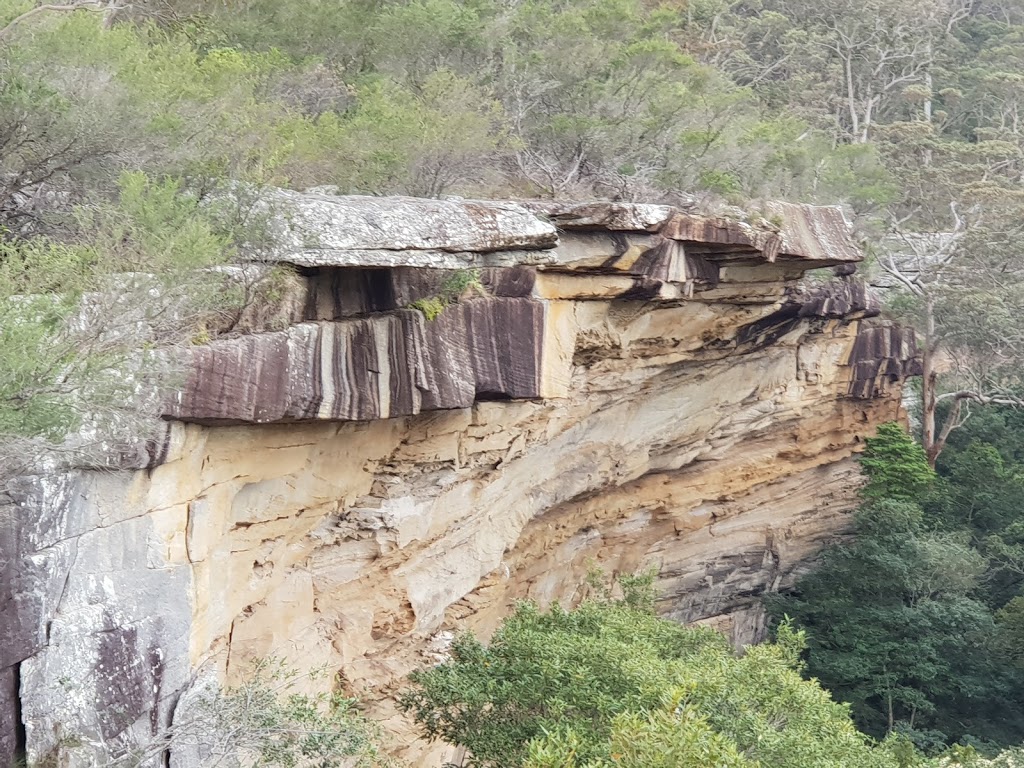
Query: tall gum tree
x=957, y=272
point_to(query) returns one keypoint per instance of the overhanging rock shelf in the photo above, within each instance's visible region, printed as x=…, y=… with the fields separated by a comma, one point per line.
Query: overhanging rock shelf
x=354, y=350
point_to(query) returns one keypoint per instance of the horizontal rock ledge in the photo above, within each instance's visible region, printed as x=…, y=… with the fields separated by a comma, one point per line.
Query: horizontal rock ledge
x=399, y=363
x=313, y=229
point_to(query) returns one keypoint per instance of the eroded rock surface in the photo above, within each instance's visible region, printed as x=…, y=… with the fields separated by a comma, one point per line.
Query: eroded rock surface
x=322, y=230
x=651, y=388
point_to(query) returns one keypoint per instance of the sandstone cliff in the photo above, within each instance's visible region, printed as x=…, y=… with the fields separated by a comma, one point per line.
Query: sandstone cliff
x=633, y=385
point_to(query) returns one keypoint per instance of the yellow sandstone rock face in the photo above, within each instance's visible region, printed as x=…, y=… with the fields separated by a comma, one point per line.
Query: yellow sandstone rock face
x=353, y=545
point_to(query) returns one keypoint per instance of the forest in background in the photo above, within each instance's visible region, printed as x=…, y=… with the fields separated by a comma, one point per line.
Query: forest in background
x=123, y=126
x=918, y=622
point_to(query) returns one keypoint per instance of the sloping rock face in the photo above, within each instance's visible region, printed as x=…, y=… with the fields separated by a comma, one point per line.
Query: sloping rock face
x=628, y=386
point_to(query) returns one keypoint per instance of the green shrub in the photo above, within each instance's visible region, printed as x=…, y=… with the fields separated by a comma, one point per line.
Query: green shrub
x=609, y=685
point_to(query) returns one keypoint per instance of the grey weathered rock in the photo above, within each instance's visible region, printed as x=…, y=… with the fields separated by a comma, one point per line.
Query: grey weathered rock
x=818, y=233
x=94, y=623
x=330, y=230
x=322, y=230
x=423, y=259
x=629, y=217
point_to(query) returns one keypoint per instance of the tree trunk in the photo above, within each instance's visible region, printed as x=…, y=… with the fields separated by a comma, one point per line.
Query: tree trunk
x=929, y=398
x=928, y=103
x=929, y=85
x=851, y=96
x=868, y=114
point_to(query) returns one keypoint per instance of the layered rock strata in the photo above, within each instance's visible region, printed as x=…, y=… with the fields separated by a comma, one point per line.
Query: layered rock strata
x=627, y=386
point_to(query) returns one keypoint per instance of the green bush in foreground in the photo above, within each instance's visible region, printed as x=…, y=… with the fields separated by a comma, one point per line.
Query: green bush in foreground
x=610, y=684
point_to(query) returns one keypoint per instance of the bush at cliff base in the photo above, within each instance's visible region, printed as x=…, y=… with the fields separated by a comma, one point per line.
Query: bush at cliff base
x=610, y=684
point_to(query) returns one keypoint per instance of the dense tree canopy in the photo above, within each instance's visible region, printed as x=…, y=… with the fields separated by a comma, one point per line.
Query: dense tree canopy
x=917, y=622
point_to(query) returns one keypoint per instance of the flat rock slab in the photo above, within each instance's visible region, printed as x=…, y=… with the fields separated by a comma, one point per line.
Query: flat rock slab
x=432, y=259
x=313, y=229
x=815, y=233
x=621, y=217
x=316, y=229
x=806, y=232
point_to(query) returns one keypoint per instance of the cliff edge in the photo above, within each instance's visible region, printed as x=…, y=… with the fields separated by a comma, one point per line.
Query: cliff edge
x=610, y=384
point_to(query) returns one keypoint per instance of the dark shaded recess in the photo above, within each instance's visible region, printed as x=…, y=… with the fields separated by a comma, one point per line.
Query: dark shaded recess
x=770, y=329
x=492, y=396
x=12, y=729
x=335, y=293
x=838, y=299
x=22, y=589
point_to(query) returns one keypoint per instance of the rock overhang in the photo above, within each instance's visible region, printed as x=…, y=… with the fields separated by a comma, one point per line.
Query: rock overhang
x=355, y=349
x=708, y=405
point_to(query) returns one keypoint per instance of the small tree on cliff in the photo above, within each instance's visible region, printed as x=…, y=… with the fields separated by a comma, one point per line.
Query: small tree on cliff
x=268, y=720
x=88, y=322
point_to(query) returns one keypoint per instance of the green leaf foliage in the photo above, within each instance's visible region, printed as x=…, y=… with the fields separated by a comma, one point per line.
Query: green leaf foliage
x=899, y=621
x=610, y=684
x=270, y=719
x=895, y=465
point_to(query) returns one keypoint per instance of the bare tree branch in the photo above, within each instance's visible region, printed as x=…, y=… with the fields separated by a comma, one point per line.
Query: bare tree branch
x=84, y=5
